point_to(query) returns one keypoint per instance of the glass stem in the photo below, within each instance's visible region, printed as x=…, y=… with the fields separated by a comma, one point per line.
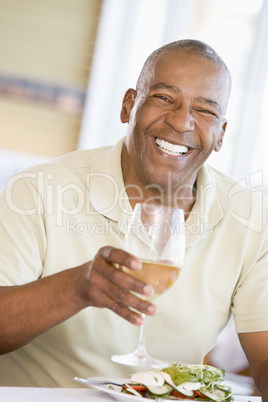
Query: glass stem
x=140, y=351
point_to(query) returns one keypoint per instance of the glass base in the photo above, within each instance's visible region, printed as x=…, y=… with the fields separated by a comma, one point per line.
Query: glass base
x=138, y=359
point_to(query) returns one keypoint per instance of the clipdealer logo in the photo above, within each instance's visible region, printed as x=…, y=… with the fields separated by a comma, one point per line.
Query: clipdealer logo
x=67, y=200
x=52, y=197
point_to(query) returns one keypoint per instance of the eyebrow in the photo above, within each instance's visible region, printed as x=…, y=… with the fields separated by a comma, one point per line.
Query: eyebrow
x=161, y=85
x=209, y=102
x=172, y=88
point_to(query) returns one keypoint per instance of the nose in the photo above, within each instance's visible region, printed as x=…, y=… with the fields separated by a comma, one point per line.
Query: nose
x=181, y=119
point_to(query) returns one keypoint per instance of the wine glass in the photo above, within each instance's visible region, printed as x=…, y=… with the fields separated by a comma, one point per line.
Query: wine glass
x=155, y=235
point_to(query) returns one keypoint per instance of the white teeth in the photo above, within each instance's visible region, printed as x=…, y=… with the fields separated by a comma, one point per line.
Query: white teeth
x=171, y=149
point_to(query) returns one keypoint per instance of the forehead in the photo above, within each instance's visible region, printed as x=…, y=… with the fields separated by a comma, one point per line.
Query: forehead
x=175, y=62
x=189, y=71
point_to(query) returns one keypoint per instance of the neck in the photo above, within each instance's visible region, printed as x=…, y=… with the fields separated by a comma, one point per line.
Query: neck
x=181, y=196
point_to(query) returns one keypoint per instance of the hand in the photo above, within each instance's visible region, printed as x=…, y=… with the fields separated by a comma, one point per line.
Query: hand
x=108, y=286
x=29, y=310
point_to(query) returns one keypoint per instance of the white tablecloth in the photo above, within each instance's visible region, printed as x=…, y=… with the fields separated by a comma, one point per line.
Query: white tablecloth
x=23, y=394
x=17, y=394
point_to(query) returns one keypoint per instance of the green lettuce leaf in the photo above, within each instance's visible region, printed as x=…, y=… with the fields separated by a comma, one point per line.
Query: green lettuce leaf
x=194, y=373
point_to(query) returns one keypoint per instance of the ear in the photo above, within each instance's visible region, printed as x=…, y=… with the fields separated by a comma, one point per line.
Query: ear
x=220, y=139
x=127, y=104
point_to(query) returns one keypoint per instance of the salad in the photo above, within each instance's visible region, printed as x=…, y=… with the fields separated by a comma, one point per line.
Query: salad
x=193, y=381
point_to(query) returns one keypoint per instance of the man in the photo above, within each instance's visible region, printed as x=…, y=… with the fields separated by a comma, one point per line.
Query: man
x=63, y=225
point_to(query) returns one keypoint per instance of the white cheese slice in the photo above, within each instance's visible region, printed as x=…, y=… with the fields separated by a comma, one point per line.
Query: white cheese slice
x=148, y=378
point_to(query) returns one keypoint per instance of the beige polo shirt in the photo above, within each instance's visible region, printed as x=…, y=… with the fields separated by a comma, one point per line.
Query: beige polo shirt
x=56, y=216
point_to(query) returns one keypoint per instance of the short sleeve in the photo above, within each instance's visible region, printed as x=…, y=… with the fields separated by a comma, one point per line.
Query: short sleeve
x=22, y=231
x=250, y=302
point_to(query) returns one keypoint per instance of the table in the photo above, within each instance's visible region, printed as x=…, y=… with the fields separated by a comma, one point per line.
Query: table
x=24, y=394
x=21, y=394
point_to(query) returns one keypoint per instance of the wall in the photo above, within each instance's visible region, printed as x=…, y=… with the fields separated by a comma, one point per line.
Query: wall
x=46, y=52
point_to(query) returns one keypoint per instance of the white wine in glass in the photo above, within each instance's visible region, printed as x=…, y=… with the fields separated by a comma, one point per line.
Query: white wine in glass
x=155, y=235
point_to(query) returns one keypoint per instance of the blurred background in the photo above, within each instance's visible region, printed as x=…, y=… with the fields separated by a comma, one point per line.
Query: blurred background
x=66, y=64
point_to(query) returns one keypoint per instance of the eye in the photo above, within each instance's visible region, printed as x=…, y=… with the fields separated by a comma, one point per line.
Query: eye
x=163, y=98
x=206, y=112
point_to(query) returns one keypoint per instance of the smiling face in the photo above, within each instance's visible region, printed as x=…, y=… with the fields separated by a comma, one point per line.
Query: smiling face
x=174, y=122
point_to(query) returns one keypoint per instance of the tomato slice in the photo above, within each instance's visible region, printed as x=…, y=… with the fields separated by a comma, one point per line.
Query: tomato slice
x=138, y=387
x=177, y=394
x=197, y=393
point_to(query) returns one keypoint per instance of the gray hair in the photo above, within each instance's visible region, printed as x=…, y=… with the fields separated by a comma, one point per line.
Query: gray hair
x=190, y=46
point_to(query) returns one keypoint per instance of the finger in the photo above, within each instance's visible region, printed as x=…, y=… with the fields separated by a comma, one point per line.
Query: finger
x=119, y=256
x=121, y=278
x=120, y=302
x=123, y=296
x=121, y=310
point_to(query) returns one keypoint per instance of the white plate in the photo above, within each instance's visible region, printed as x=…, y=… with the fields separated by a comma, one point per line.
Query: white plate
x=115, y=391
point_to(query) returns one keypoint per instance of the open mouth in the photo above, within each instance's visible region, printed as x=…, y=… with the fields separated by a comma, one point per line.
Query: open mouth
x=171, y=149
